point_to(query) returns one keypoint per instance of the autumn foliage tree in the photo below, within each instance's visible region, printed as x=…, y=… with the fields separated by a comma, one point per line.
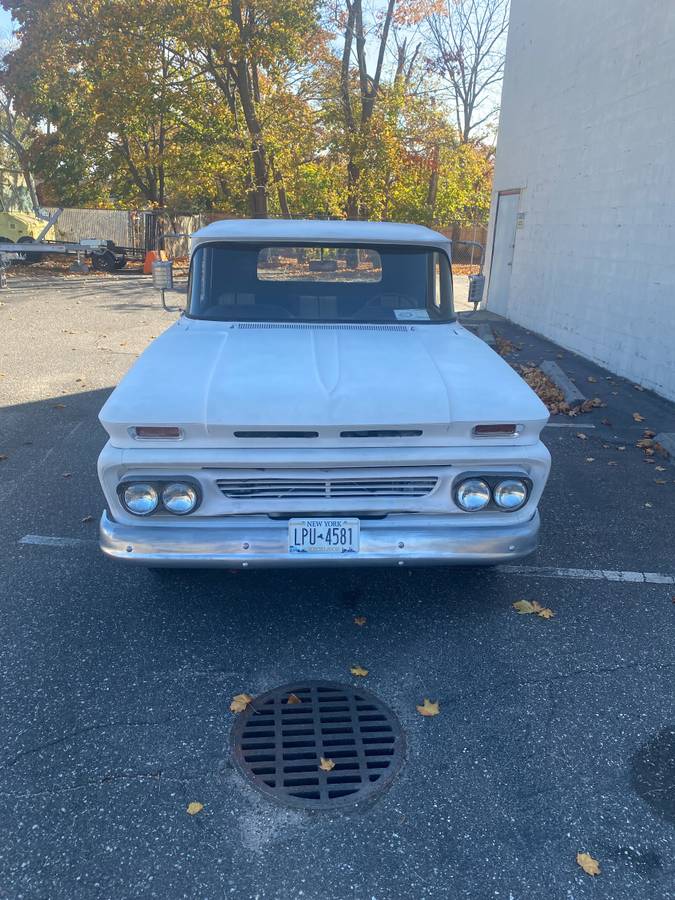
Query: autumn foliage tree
x=250, y=107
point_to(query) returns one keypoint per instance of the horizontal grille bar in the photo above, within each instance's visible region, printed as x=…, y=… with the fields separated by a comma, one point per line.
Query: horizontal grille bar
x=308, y=488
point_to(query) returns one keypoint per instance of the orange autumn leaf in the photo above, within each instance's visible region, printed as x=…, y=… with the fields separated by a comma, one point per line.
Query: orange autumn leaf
x=293, y=698
x=360, y=620
x=428, y=708
x=588, y=864
x=240, y=702
x=326, y=764
x=194, y=808
x=638, y=417
x=359, y=671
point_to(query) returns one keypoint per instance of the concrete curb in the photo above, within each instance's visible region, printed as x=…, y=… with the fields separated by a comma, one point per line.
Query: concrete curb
x=666, y=439
x=485, y=334
x=572, y=394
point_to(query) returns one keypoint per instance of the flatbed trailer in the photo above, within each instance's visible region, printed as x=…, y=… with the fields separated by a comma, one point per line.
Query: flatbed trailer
x=104, y=255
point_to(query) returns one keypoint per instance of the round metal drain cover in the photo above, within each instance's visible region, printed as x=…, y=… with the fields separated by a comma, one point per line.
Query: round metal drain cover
x=278, y=745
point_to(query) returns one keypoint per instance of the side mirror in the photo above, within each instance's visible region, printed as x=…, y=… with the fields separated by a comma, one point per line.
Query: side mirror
x=162, y=280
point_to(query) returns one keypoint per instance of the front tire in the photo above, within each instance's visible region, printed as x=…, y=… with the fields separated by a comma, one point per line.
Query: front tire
x=30, y=257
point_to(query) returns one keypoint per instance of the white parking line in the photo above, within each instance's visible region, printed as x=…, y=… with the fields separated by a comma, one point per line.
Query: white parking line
x=590, y=574
x=46, y=540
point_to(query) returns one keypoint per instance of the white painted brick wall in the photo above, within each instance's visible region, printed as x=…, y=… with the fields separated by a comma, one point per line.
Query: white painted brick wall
x=587, y=132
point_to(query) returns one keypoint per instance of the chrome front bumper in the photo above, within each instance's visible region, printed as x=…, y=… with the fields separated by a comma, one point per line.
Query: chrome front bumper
x=263, y=542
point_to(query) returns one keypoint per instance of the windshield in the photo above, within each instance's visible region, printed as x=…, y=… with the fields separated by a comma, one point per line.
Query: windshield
x=310, y=283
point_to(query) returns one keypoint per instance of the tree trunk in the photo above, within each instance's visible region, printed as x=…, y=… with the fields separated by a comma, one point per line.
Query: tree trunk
x=353, y=178
x=432, y=193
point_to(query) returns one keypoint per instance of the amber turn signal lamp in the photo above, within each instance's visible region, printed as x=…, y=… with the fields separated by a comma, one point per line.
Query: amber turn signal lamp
x=157, y=432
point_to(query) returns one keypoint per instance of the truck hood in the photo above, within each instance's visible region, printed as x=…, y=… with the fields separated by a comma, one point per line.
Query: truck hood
x=222, y=381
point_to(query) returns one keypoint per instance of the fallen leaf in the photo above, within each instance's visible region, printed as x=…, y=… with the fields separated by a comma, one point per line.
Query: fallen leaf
x=638, y=417
x=590, y=459
x=59, y=406
x=240, y=702
x=660, y=469
x=66, y=474
x=3, y=456
x=638, y=387
x=293, y=698
x=582, y=436
x=660, y=481
x=648, y=433
x=525, y=607
x=648, y=459
x=88, y=519
x=649, y=505
x=359, y=671
x=621, y=448
x=360, y=620
x=194, y=808
x=612, y=462
x=592, y=379
x=326, y=764
x=428, y=708
x=588, y=864
x=645, y=442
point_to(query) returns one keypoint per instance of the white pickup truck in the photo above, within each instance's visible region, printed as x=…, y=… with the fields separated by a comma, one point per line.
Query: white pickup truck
x=319, y=403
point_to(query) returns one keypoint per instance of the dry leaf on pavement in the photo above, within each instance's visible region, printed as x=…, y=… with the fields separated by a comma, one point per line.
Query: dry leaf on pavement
x=582, y=436
x=612, y=462
x=3, y=456
x=359, y=671
x=428, y=708
x=588, y=864
x=293, y=698
x=326, y=764
x=638, y=387
x=638, y=417
x=360, y=620
x=194, y=808
x=524, y=607
x=590, y=459
x=59, y=406
x=592, y=379
x=240, y=702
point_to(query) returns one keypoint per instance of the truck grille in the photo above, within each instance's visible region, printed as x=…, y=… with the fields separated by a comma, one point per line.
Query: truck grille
x=321, y=488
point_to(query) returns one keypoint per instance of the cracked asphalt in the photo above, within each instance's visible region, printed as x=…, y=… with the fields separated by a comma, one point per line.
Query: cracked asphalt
x=554, y=737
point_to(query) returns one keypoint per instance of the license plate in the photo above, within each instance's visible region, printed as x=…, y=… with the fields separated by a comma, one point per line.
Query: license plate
x=323, y=536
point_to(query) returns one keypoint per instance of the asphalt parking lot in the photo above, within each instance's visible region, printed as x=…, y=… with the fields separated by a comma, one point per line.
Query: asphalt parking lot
x=555, y=736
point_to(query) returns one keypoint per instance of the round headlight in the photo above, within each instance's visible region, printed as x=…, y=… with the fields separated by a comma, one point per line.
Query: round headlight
x=510, y=494
x=179, y=498
x=140, y=499
x=473, y=494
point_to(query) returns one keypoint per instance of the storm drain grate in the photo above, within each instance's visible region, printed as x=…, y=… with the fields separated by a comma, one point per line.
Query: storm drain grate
x=278, y=745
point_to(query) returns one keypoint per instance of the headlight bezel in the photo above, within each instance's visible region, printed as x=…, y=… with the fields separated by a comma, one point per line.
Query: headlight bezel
x=492, y=479
x=160, y=483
